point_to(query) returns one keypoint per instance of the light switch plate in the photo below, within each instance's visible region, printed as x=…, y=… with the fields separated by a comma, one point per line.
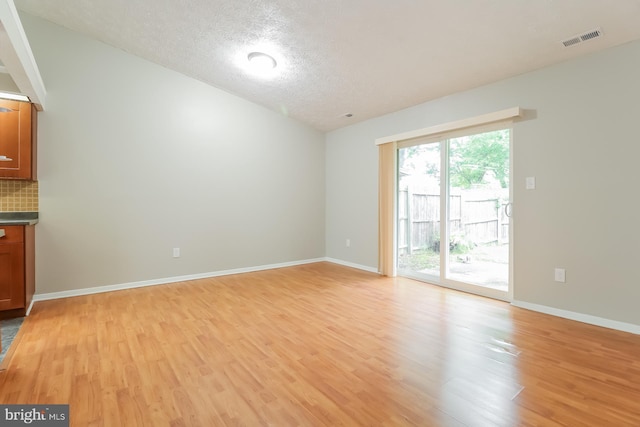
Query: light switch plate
x=531, y=183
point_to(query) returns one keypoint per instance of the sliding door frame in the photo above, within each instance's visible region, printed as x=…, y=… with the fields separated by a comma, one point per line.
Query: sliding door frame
x=441, y=134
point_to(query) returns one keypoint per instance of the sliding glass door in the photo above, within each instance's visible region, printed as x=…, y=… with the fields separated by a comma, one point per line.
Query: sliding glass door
x=453, y=219
x=419, y=210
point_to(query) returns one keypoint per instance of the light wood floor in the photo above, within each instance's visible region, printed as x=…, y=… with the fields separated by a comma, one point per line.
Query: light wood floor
x=319, y=345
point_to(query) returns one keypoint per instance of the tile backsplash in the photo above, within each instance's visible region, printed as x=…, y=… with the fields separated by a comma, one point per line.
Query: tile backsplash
x=18, y=196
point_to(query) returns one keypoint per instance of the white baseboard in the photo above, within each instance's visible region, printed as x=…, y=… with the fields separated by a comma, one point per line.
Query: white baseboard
x=30, y=307
x=350, y=264
x=166, y=280
x=584, y=318
x=580, y=317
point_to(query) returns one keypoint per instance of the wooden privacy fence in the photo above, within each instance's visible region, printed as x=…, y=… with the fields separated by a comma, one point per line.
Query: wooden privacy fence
x=475, y=216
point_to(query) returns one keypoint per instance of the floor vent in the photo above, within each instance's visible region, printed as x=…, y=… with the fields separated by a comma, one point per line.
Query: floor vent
x=589, y=35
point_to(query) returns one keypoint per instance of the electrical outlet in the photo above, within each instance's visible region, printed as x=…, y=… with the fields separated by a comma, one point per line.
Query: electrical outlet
x=348, y=243
x=176, y=252
x=560, y=275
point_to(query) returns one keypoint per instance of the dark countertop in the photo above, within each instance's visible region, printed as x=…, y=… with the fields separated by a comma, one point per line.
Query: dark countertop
x=18, y=218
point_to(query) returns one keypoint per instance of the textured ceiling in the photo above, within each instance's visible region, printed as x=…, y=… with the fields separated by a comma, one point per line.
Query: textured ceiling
x=365, y=57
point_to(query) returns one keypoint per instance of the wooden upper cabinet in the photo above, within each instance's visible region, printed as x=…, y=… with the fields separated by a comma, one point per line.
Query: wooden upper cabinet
x=17, y=140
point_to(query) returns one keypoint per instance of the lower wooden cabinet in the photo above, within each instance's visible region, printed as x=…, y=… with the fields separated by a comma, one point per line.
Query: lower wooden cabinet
x=17, y=264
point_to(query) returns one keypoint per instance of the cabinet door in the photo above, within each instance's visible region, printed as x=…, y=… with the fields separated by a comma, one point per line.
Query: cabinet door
x=11, y=276
x=16, y=154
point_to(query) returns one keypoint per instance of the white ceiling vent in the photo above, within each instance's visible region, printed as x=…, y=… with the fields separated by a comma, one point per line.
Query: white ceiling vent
x=589, y=35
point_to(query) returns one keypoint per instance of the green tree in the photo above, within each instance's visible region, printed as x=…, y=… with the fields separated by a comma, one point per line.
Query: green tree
x=471, y=156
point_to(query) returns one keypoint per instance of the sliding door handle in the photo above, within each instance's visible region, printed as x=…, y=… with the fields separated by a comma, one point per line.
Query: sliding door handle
x=508, y=208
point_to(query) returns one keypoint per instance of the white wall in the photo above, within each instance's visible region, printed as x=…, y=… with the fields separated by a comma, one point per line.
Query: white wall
x=7, y=84
x=583, y=148
x=135, y=159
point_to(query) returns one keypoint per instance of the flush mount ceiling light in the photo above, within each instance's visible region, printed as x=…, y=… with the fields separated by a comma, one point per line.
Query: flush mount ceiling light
x=261, y=62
